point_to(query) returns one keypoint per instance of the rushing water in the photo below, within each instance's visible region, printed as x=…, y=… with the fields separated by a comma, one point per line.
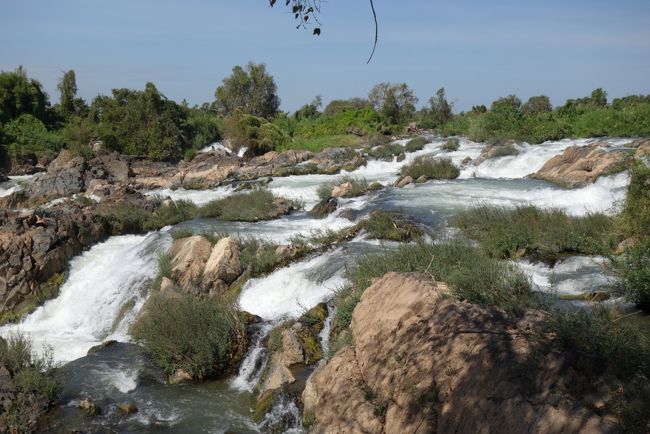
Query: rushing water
x=107, y=285
x=14, y=184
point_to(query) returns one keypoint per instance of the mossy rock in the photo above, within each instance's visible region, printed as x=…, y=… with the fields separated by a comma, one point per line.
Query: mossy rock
x=127, y=407
x=263, y=405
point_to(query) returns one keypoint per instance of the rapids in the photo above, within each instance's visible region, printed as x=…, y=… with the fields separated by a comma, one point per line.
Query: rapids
x=107, y=285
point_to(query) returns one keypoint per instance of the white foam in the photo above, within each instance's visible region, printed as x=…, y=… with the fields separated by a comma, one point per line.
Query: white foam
x=101, y=282
x=290, y=291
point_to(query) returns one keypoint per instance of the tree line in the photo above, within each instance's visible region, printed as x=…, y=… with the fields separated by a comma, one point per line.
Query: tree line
x=246, y=112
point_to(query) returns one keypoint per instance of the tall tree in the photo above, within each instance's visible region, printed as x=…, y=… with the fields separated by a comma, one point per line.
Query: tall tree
x=397, y=101
x=21, y=95
x=537, y=104
x=250, y=89
x=440, y=107
x=68, y=90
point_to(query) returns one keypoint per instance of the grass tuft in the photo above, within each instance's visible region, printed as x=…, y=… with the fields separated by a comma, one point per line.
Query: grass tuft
x=430, y=168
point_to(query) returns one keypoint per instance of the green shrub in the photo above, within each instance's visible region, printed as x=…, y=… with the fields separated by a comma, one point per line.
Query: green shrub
x=199, y=336
x=177, y=234
x=503, y=150
x=33, y=375
x=541, y=233
x=359, y=186
x=415, y=144
x=634, y=268
x=257, y=205
x=470, y=274
x=257, y=255
x=26, y=136
x=359, y=121
x=603, y=339
x=430, y=168
x=259, y=135
x=386, y=225
x=387, y=152
x=451, y=145
x=635, y=217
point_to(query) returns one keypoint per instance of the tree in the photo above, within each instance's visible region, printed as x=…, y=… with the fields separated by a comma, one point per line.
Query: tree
x=309, y=111
x=599, y=97
x=506, y=103
x=21, y=95
x=339, y=105
x=440, y=108
x=250, y=89
x=396, y=101
x=537, y=104
x=68, y=89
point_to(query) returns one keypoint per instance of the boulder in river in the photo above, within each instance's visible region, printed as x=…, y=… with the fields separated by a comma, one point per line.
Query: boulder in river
x=189, y=257
x=424, y=362
x=223, y=266
x=578, y=166
x=324, y=208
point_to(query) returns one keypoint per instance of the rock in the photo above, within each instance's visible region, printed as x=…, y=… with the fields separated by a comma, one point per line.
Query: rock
x=421, y=180
x=375, y=186
x=425, y=362
x=64, y=177
x=289, y=354
x=404, y=181
x=625, y=244
x=180, y=376
x=101, y=346
x=167, y=286
x=578, y=166
x=593, y=296
x=89, y=407
x=127, y=407
x=207, y=169
x=3, y=177
x=7, y=387
x=342, y=190
x=324, y=208
x=189, y=256
x=495, y=151
x=224, y=263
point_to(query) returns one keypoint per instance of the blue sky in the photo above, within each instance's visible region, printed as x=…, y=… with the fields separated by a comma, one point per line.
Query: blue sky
x=477, y=50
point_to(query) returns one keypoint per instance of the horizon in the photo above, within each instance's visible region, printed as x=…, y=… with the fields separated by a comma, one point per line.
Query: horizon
x=563, y=51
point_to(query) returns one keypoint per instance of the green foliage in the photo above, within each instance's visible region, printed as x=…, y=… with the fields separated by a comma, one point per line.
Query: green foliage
x=395, y=102
x=470, y=274
x=430, y=168
x=544, y=234
x=415, y=144
x=254, y=132
x=437, y=113
x=26, y=136
x=125, y=218
x=205, y=125
x=36, y=380
x=387, y=152
x=359, y=186
x=537, y=104
x=141, y=123
x=358, y=121
x=634, y=268
x=340, y=105
x=386, y=225
x=602, y=339
x=68, y=90
x=177, y=234
x=317, y=144
x=250, y=89
x=257, y=255
x=451, y=145
x=635, y=217
x=21, y=95
x=249, y=207
x=78, y=134
x=196, y=335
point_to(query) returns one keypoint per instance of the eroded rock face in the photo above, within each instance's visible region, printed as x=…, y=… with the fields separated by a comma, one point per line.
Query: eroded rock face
x=324, y=208
x=424, y=363
x=578, y=166
x=189, y=256
x=35, y=245
x=223, y=266
x=341, y=190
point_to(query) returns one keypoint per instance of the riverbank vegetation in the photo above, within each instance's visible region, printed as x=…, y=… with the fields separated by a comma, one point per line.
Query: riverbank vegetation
x=30, y=383
x=197, y=336
x=543, y=234
x=245, y=112
x=426, y=167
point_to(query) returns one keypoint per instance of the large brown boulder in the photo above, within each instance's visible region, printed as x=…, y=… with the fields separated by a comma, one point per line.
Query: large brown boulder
x=223, y=266
x=578, y=166
x=207, y=169
x=423, y=362
x=189, y=256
